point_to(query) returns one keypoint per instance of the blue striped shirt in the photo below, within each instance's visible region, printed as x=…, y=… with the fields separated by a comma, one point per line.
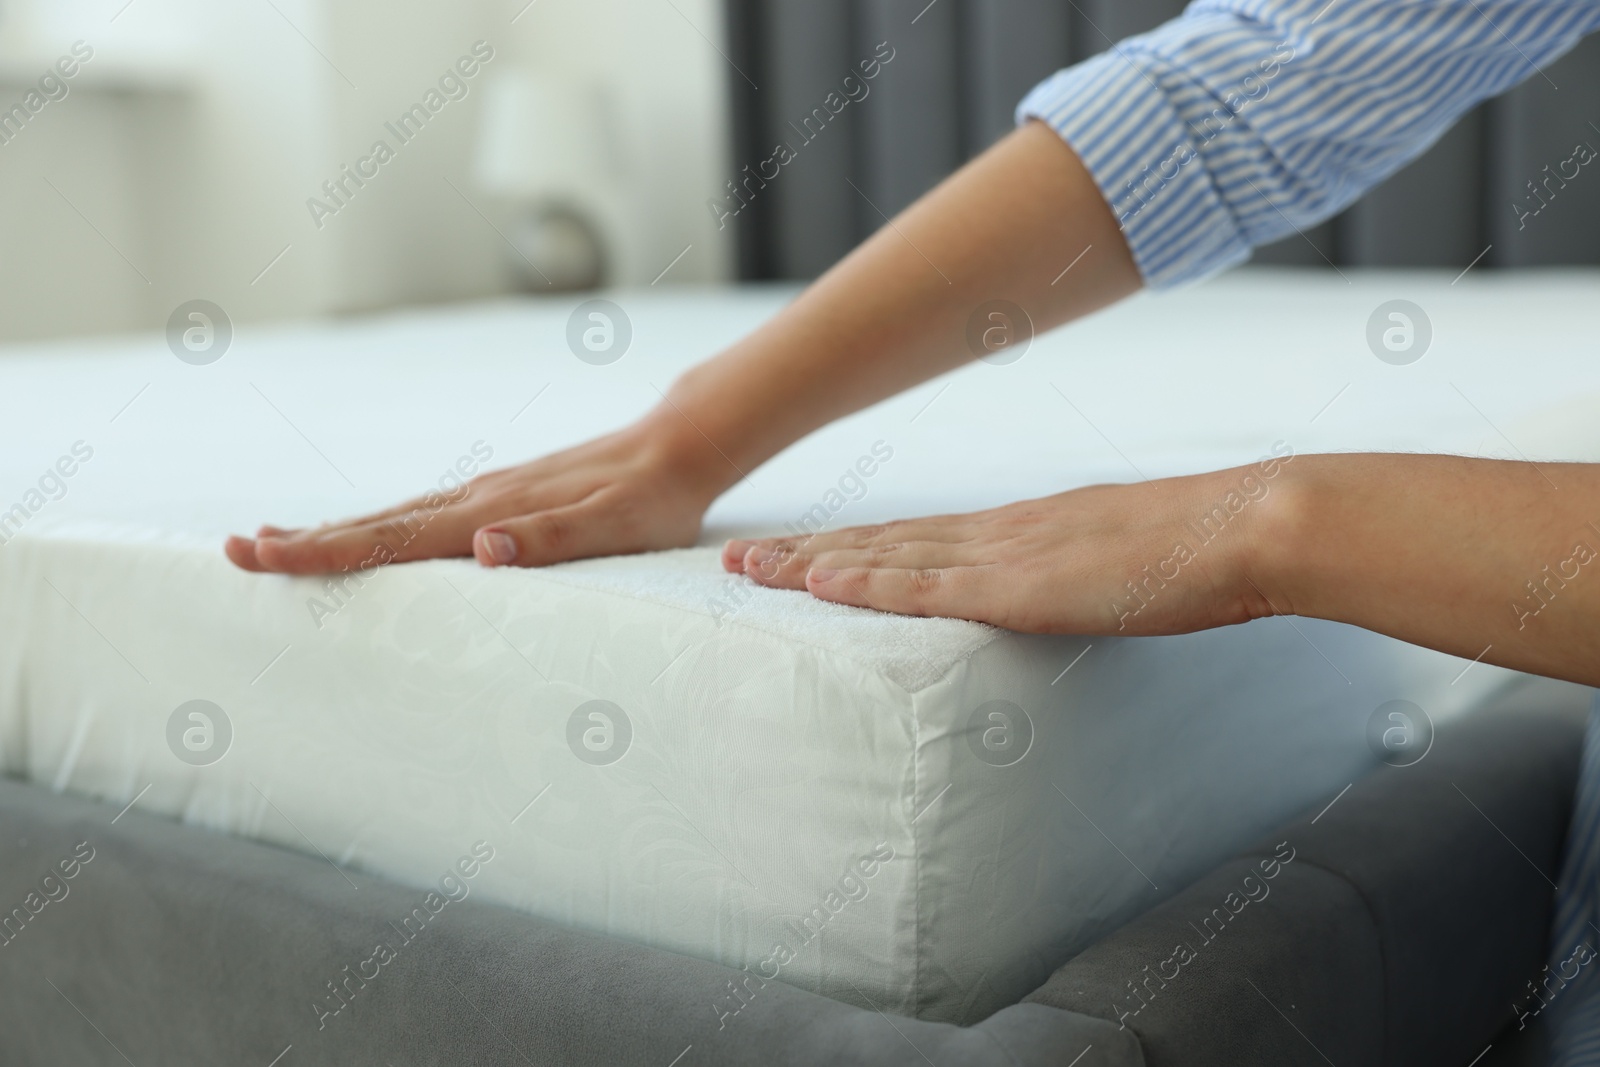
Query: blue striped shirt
x=1242, y=121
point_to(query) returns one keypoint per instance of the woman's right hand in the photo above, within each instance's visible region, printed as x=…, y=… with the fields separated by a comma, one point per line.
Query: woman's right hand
x=643, y=488
x=882, y=320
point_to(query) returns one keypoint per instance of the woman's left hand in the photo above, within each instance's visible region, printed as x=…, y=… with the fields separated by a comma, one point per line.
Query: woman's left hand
x=1162, y=557
x=1495, y=561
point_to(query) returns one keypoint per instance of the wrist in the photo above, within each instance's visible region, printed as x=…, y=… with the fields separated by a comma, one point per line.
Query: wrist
x=1282, y=548
x=670, y=439
x=724, y=418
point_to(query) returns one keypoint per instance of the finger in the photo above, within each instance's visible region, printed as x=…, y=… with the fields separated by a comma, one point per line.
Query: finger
x=405, y=507
x=951, y=529
x=733, y=553
x=953, y=592
x=419, y=534
x=789, y=572
x=277, y=531
x=777, y=565
x=397, y=511
x=592, y=527
x=241, y=552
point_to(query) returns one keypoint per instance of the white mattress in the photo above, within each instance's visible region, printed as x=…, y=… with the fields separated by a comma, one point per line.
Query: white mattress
x=777, y=744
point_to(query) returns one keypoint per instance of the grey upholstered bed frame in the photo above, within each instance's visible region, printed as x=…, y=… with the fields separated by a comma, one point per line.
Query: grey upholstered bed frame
x=1400, y=933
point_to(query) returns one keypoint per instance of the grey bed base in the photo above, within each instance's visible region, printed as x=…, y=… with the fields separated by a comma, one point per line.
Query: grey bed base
x=1400, y=932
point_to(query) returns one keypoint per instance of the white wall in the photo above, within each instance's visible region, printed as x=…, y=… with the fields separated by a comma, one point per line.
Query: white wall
x=193, y=139
x=180, y=142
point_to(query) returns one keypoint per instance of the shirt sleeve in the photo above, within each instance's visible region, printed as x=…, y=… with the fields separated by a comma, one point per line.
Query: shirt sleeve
x=1243, y=121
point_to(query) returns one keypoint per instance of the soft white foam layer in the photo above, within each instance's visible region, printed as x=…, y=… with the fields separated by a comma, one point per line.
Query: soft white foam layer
x=777, y=742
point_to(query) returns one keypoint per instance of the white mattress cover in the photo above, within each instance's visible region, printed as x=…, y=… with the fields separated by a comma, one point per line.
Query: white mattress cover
x=777, y=741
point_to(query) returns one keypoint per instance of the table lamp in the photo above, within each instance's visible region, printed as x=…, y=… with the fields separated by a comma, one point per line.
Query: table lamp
x=545, y=148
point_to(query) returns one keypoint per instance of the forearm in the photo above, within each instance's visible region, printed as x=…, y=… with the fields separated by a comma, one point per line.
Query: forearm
x=1478, y=558
x=895, y=312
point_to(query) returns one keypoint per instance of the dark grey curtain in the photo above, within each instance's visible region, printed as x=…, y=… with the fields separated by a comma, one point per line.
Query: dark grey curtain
x=959, y=68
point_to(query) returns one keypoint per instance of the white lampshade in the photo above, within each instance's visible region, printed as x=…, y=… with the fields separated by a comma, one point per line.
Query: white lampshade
x=543, y=138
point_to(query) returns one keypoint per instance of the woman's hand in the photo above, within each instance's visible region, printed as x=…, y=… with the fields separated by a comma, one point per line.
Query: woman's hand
x=643, y=488
x=1163, y=557
x=1488, y=560
x=877, y=323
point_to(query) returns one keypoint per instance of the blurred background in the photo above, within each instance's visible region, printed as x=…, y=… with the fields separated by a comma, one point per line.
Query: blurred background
x=217, y=151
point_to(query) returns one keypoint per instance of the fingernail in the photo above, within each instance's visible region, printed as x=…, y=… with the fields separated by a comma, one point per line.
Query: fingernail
x=820, y=575
x=763, y=564
x=496, y=548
